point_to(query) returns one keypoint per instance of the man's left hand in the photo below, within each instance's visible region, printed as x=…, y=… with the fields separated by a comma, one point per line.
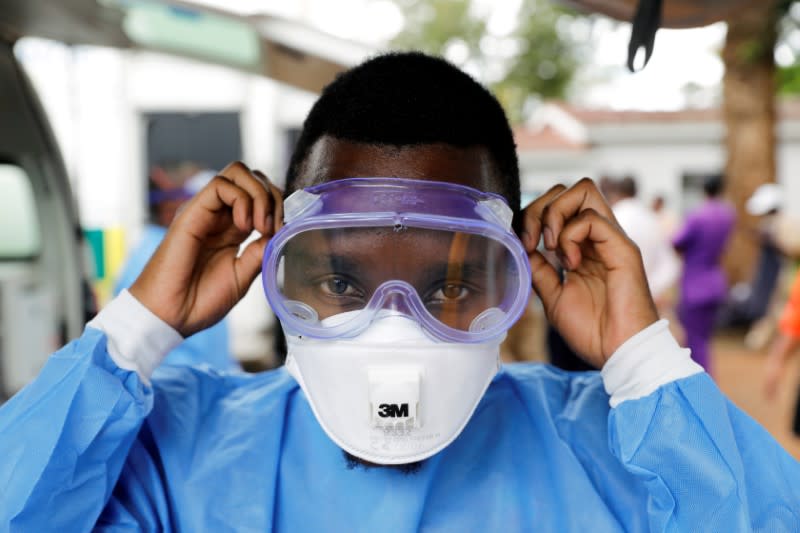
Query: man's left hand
x=604, y=299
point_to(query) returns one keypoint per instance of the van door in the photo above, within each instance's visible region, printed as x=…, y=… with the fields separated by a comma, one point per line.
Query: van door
x=42, y=282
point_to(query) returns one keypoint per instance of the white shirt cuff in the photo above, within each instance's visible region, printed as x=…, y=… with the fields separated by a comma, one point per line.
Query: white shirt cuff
x=137, y=339
x=646, y=361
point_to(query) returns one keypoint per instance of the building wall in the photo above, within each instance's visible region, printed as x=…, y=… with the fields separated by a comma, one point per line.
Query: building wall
x=658, y=155
x=96, y=99
x=788, y=164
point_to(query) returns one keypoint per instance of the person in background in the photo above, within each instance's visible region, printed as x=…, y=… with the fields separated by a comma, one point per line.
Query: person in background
x=640, y=224
x=173, y=185
x=667, y=218
x=701, y=241
x=783, y=348
x=749, y=302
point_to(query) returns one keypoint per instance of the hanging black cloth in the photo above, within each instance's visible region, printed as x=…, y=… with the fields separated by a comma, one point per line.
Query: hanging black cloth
x=646, y=22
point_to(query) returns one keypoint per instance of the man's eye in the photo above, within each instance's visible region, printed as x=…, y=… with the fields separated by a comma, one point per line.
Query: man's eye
x=338, y=287
x=450, y=292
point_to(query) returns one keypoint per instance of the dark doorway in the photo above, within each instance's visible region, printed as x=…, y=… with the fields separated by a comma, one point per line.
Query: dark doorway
x=211, y=139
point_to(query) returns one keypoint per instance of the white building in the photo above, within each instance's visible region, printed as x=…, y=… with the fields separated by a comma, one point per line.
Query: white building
x=667, y=151
x=101, y=103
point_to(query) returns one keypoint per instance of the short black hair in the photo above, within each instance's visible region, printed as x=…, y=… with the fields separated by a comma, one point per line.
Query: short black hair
x=713, y=184
x=409, y=99
x=627, y=187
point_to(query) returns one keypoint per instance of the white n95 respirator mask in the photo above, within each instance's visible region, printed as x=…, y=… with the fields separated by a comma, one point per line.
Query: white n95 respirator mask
x=392, y=395
x=394, y=296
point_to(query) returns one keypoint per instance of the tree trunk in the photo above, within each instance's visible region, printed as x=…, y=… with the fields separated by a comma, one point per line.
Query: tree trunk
x=749, y=114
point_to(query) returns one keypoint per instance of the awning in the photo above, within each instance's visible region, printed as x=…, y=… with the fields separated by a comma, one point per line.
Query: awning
x=283, y=50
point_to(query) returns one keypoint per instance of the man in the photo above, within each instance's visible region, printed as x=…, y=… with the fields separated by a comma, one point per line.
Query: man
x=93, y=443
x=783, y=348
x=749, y=302
x=174, y=185
x=701, y=242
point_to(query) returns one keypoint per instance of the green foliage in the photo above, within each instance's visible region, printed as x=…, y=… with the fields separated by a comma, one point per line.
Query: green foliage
x=546, y=62
x=541, y=62
x=788, y=81
x=788, y=76
x=431, y=25
x=753, y=51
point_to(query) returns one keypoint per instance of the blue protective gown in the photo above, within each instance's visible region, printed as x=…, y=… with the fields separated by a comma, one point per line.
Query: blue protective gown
x=88, y=445
x=210, y=346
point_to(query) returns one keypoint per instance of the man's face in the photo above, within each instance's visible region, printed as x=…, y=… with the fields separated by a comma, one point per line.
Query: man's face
x=390, y=256
x=456, y=276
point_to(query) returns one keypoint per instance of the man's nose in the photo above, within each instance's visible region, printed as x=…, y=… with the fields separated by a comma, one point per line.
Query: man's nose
x=397, y=301
x=397, y=296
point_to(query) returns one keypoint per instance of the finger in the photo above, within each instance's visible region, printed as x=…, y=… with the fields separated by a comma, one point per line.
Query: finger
x=532, y=215
x=583, y=195
x=202, y=212
x=248, y=264
x=255, y=183
x=274, y=219
x=612, y=246
x=241, y=206
x=546, y=280
x=277, y=194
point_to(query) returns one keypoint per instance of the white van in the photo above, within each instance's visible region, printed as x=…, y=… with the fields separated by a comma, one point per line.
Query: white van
x=44, y=291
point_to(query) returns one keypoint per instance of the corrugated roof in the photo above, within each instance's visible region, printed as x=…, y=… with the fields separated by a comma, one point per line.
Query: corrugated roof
x=788, y=108
x=549, y=138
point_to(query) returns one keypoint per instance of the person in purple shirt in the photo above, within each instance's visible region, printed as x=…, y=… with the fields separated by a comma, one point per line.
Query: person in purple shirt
x=701, y=241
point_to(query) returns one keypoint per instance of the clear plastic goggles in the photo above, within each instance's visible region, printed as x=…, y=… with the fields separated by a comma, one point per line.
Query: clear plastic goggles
x=353, y=249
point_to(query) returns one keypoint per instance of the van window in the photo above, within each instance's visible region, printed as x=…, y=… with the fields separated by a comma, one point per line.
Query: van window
x=20, y=236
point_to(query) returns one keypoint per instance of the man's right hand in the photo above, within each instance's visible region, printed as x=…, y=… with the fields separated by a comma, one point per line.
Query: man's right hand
x=195, y=277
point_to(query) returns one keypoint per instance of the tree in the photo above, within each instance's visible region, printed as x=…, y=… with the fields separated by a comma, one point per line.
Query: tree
x=749, y=88
x=537, y=60
x=546, y=62
x=788, y=73
x=433, y=25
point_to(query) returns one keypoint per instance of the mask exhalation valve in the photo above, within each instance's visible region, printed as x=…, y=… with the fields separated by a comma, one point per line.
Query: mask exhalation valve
x=394, y=396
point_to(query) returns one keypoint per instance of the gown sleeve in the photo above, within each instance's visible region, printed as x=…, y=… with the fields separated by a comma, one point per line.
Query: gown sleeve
x=139, y=501
x=705, y=462
x=64, y=438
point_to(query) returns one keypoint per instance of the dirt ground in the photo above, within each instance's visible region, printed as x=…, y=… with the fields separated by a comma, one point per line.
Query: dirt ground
x=738, y=372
